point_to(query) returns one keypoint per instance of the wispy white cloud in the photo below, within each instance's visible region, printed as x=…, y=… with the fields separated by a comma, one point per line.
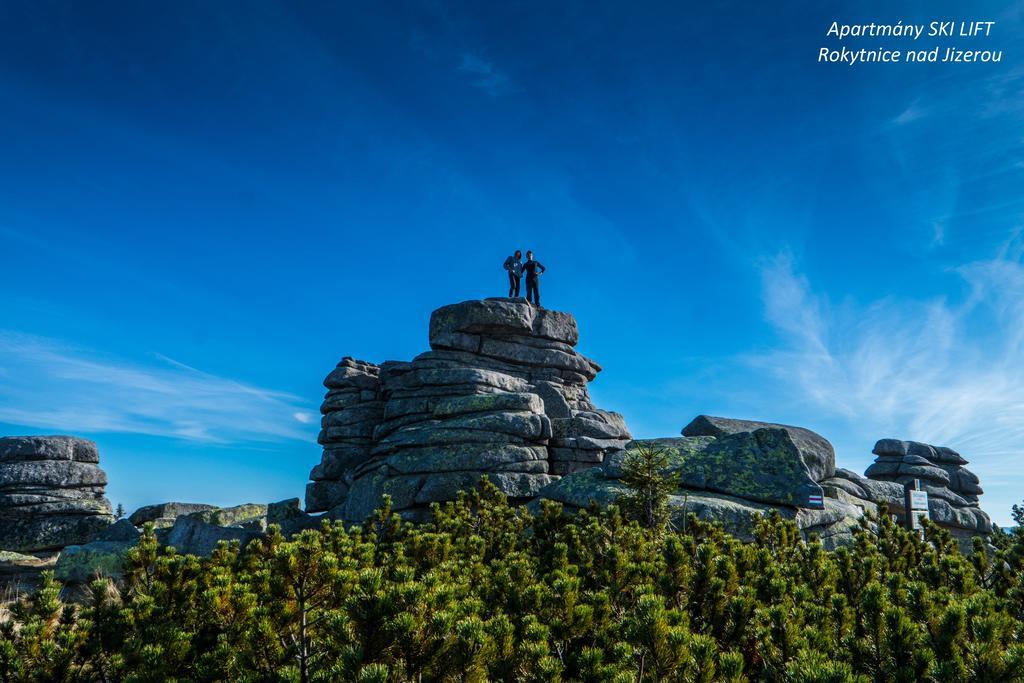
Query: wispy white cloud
x=941, y=371
x=485, y=76
x=52, y=386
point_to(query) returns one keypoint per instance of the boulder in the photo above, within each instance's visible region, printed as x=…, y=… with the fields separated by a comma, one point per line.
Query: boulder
x=247, y=516
x=19, y=572
x=193, y=536
x=98, y=559
x=165, y=514
x=816, y=452
x=121, y=531
x=764, y=465
x=51, y=492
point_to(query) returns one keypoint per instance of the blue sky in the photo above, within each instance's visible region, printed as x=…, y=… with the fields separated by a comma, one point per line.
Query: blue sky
x=203, y=206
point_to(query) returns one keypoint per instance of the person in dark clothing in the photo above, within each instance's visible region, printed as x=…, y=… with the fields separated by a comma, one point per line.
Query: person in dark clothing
x=514, y=266
x=532, y=269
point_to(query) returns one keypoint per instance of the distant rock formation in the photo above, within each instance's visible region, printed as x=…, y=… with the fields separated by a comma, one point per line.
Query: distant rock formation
x=51, y=492
x=503, y=392
x=191, y=528
x=953, y=490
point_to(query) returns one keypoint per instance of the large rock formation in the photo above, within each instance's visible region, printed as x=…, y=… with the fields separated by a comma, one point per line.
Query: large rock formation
x=502, y=393
x=762, y=465
x=732, y=479
x=731, y=471
x=815, y=450
x=51, y=492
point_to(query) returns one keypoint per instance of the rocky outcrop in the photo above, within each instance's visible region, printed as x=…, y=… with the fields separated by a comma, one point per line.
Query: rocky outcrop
x=763, y=465
x=352, y=409
x=502, y=393
x=191, y=528
x=953, y=490
x=815, y=450
x=732, y=480
x=163, y=515
x=51, y=492
x=731, y=471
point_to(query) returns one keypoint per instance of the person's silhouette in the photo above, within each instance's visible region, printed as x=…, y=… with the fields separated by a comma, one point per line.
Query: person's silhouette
x=514, y=266
x=533, y=269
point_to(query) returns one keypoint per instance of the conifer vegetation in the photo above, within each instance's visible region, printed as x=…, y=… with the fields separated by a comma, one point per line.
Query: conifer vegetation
x=490, y=592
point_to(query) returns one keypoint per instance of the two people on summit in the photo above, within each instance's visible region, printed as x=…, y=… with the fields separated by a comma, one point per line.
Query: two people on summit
x=532, y=269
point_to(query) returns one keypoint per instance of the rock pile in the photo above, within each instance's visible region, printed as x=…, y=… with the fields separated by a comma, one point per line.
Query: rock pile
x=51, y=492
x=502, y=393
x=953, y=490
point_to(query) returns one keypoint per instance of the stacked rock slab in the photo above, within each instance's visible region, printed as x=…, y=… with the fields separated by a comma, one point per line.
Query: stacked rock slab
x=502, y=393
x=953, y=490
x=352, y=409
x=51, y=493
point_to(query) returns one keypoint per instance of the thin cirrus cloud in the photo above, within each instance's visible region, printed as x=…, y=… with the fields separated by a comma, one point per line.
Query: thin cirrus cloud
x=938, y=371
x=485, y=76
x=49, y=385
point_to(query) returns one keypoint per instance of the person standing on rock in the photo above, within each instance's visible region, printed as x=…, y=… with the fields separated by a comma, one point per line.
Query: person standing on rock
x=533, y=269
x=514, y=266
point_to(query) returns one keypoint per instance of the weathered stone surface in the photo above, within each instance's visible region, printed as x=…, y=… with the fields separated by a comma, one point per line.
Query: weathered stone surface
x=437, y=488
x=352, y=410
x=284, y=511
x=25, y=448
x=248, y=516
x=99, y=559
x=834, y=524
x=503, y=317
x=952, y=489
x=764, y=465
x=165, y=514
x=324, y=495
x=502, y=393
x=51, y=492
x=121, y=531
x=464, y=457
x=195, y=537
x=816, y=452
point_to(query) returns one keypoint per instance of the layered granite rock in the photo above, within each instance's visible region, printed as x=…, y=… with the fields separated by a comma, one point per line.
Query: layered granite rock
x=953, y=490
x=352, y=409
x=51, y=492
x=502, y=393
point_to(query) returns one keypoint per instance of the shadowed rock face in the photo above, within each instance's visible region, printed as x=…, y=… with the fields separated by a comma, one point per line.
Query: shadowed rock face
x=51, y=492
x=502, y=393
